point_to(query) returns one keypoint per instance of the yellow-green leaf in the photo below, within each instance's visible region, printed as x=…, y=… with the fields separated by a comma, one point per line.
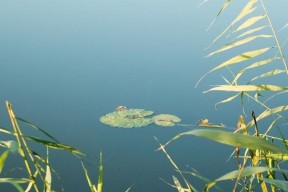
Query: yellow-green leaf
x=269, y=112
x=237, y=43
x=242, y=57
x=250, y=22
x=247, y=88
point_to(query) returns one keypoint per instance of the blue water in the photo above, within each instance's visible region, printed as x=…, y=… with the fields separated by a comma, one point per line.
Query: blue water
x=64, y=64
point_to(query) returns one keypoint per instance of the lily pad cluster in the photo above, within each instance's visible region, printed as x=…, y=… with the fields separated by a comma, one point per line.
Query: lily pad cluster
x=134, y=118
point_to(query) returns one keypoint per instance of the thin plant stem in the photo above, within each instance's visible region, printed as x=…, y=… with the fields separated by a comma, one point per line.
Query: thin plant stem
x=275, y=36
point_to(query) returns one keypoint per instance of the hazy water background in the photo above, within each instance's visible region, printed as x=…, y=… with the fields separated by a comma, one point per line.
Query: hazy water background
x=64, y=64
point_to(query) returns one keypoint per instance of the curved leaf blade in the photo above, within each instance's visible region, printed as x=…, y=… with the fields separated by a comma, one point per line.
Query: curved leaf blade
x=234, y=139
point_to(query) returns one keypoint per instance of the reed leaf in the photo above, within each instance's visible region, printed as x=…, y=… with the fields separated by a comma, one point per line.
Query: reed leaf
x=48, y=176
x=227, y=100
x=251, y=31
x=16, y=182
x=232, y=139
x=100, y=176
x=224, y=6
x=247, y=88
x=54, y=145
x=249, y=22
x=269, y=74
x=237, y=59
x=269, y=112
x=90, y=184
x=247, y=171
x=254, y=65
x=242, y=57
x=249, y=8
x=238, y=43
x=280, y=184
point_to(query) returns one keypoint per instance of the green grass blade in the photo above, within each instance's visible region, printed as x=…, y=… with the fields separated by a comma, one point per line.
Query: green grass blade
x=3, y=158
x=90, y=184
x=250, y=21
x=233, y=139
x=54, y=145
x=247, y=88
x=238, y=43
x=37, y=128
x=100, y=176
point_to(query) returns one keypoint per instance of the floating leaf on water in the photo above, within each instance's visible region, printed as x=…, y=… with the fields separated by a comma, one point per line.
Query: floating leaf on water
x=127, y=118
x=166, y=120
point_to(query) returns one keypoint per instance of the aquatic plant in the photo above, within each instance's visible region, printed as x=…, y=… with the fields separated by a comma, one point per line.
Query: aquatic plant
x=38, y=168
x=134, y=118
x=257, y=154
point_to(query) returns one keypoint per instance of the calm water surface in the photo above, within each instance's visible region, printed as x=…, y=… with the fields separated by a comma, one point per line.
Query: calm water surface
x=64, y=64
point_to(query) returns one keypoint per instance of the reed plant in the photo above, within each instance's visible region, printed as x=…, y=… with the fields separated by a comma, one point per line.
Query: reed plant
x=260, y=152
x=38, y=171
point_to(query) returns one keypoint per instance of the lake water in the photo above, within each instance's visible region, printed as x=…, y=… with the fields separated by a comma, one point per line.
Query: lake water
x=64, y=64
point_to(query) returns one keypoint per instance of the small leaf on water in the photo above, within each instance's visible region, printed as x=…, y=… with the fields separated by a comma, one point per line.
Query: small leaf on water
x=166, y=120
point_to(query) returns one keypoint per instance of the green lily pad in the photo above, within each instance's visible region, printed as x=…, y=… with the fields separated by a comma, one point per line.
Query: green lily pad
x=166, y=120
x=127, y=118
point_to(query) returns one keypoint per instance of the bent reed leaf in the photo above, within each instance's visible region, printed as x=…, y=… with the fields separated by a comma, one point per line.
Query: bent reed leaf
x=250, y=22
x=242, y=57
x=238, y=43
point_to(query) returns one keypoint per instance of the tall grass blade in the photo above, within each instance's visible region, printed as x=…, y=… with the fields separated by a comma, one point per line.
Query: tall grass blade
x=249, y=22
x=247, y=88
x=100, y=176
